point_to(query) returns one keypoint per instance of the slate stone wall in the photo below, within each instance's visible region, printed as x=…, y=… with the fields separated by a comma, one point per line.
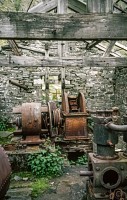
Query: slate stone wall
x=121, y=89
x=97, y=84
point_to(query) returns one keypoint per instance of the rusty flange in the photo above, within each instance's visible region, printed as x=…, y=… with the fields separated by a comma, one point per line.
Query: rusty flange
x=81, y=102
x=5, y=172
x=65, y=104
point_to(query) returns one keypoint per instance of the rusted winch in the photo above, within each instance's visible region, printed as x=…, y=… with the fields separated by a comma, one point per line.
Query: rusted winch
x=107, y=169
x=74, y=116
x=37, y=122
x=5, y=172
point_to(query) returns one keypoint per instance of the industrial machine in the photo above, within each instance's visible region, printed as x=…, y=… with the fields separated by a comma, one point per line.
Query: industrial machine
x=5, y=173
x=36, y=122
x=107, y=169
x=74, y=116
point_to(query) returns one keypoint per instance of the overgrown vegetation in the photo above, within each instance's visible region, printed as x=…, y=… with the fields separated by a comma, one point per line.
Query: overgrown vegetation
x=17, y=4
x=82, y=160
x=38, y=185
x=46, y=163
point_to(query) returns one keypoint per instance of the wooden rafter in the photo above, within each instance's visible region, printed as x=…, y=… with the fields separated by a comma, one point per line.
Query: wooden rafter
x=92, y=44
x=25, y=61
x=62, y=27
x=109, y=48
x=77, y=6
x=44, y=6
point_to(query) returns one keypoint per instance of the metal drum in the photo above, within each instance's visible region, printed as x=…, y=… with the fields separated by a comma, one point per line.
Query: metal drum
x=5, y=172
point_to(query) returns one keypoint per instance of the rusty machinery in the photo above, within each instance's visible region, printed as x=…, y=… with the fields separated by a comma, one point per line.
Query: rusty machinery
x=36, y=122
x=74, y=116
x=5, y=173
x=107, y=169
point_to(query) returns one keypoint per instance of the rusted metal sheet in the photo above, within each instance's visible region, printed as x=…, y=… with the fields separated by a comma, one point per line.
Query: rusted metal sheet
x=5, y=172
x=75, y=126
x=34, y=139
x=31, y=118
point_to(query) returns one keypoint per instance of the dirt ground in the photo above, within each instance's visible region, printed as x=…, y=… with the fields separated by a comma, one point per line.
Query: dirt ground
x=70, y=186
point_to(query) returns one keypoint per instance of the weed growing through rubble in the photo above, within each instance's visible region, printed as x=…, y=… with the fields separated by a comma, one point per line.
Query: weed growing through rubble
x=82, y=160
x=46, y=163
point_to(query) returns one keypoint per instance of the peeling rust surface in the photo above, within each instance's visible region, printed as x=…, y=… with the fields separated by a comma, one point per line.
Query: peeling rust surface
x=5, y=172
x=31, y=118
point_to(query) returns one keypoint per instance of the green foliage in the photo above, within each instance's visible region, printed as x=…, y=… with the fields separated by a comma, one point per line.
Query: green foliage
x=46, y=163
x=82, y=160
x=17, y=4
x=90, y=123
x=39, y=186
x=3, y=124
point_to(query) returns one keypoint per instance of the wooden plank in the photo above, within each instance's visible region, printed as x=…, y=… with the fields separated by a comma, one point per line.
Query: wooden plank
x=121, y=46
x=14, y=46
x=119, y=8
x=99, y=6
x=44, y=6
x=109, y=48
x=34, y=49
x=92, y=44
x=103, y=48
x=24, y=61
x=62, y=27
x=62, y=6
x=77, y=6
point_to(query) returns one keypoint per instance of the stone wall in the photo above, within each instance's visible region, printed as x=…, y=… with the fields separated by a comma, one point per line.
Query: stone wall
x=121, y=89
x=96, y=84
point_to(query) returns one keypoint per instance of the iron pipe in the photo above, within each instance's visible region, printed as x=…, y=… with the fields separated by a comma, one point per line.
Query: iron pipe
x=86, y=173
x=114, y=127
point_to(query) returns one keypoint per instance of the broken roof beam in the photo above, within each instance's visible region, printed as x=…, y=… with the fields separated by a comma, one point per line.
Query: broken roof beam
x=24, y=61
x=109, y=48
x=14, y=47
x=74, y=27
x=92, y=44
x=119, y=8
x=77, y=6
x=44, y=6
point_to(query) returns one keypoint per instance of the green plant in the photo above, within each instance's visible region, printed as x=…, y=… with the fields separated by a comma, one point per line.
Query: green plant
x=39, y=186
x=82, y=160
x=17, y=4
x=3, y=124
x=46, y=163
x=90, y=123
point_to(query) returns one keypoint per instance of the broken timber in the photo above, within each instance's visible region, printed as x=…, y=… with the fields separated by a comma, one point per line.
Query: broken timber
x=48, y=26
x=18, y=85
x=24, y=61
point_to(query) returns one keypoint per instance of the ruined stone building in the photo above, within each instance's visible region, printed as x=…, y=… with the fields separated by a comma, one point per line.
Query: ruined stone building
x=82, y=48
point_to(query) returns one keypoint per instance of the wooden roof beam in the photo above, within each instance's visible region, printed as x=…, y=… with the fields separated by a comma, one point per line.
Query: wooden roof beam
x=92, y=44
x=74, y=27
x=109, y=48
x=25, y=61
x=77, y=6
x=44, y=6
